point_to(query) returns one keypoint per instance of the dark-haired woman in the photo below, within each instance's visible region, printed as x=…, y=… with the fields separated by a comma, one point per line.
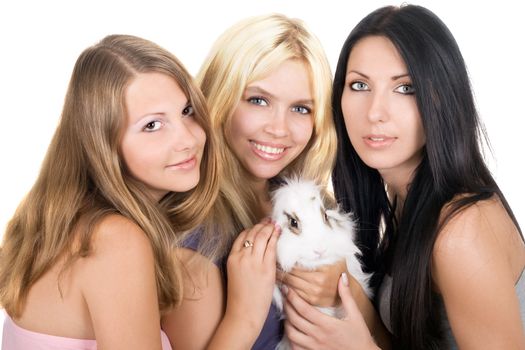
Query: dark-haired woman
x=434, y=226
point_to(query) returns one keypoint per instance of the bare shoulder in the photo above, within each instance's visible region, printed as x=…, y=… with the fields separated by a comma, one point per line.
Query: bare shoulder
x=479, y=236
x=116, y=231
x=118, y=246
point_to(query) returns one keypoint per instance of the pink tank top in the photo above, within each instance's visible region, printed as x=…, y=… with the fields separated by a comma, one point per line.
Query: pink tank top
x=17, y=338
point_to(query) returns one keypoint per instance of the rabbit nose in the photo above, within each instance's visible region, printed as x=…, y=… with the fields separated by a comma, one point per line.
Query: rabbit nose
x=319, y=252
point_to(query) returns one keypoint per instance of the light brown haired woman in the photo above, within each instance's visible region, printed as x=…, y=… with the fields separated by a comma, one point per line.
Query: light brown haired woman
x=87, y=259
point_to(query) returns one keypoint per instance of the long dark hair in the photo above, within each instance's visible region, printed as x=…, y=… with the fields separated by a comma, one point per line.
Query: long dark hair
x=452, y=164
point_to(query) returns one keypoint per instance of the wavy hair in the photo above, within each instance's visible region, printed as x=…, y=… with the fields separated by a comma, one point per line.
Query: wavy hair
x=452, y=169
x=246, y=52
x=83, y=176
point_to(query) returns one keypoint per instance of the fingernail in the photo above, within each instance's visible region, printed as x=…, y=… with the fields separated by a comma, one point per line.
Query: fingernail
x=278, y=227
x=345, y=278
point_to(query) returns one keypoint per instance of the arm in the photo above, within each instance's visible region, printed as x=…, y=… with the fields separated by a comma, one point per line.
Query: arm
x=251, y=277
x=477, y=259
x=119, y=287
x=308, y=328
x=192, y=324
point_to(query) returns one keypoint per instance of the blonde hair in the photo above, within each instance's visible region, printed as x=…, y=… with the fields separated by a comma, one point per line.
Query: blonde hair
x=83, y=177
x=247, y=52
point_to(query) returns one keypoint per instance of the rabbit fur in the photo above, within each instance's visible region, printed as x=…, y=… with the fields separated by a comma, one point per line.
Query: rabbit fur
x=312, y=236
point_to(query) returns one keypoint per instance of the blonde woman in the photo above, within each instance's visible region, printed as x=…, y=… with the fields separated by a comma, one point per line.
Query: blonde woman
x=267, y=83
x=87, y=259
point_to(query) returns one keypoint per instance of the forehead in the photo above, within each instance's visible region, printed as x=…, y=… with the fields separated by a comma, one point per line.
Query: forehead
x=290, y=78
x=147, y=92
x=376, y=54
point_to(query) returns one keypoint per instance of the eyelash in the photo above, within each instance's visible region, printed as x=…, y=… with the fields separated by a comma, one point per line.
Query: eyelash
x=411, y=88
x=306, y=109
x=153, y=122
x=256, y=100
x=353, y=86
x=188, y=111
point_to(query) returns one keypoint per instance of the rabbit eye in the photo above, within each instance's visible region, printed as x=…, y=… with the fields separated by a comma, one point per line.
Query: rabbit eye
x=326, y=220
x=293, y=223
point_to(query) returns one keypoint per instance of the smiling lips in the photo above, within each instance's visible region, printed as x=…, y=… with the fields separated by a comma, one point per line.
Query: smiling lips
x=268, y=151
x=186, y=164
x=378, y=141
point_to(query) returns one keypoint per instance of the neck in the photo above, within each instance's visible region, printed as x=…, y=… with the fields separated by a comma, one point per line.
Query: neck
x=398, y=180
x=261, y=189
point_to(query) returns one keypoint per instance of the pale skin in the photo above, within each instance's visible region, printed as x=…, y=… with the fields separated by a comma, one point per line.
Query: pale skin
x=478, y=256
x=119, y=317
x=270, y=127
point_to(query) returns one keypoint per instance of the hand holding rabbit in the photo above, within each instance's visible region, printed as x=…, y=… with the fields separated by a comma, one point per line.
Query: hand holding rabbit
x=317, y=287
x=251, y=275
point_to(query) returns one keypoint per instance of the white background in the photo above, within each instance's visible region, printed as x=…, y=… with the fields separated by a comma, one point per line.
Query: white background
x=40, y=41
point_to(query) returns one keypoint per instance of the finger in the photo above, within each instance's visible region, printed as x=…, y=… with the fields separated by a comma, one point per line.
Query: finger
x=239, y=241
x=306, y=290
x=298, y=322
x=280, y=275
x=250, y=237
x=261, y=239
x=346, y=296
x=297, y=338
x=297, y=283
x=305, y=310
x=270, y=254
x=266, y=220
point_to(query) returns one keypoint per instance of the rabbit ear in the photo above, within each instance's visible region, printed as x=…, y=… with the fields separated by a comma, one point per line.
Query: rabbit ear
x=340, y=219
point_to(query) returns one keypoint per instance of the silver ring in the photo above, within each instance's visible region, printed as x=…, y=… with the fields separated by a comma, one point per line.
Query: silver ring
x=247, y=244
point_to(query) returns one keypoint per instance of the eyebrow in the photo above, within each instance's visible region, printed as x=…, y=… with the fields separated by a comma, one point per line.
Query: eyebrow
x=147, y=115
x=260, y=90
x=394, y=78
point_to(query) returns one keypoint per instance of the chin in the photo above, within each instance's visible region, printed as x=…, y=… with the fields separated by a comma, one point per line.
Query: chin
x=185, y=185
x=265, y=174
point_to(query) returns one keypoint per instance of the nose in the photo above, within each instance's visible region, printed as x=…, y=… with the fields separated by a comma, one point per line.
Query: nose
x=184, y=136
x=277, y=125
x=320, y=252
x=378, y=111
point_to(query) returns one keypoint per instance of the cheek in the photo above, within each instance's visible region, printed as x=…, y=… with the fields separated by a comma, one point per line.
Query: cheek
x=239, y=125
x=199, y=134
x=351, y=109
x=134, y=157
x=302, y=130
x=412, y=123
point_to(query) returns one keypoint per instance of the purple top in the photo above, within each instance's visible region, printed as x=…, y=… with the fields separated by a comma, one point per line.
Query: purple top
x=273, y=328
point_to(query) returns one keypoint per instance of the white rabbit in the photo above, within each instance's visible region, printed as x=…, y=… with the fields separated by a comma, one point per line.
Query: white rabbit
x=312, y=236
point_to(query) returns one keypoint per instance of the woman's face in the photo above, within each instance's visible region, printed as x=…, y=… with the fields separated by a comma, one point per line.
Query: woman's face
x=379, y=108
x=162, y=144
x=273, y=121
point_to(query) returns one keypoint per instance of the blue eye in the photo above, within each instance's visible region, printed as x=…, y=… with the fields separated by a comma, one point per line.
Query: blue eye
x=359, y=86
x=188, y=111
x=259, y=101
x=405, y=89
x=152, y=126
x=301, y=110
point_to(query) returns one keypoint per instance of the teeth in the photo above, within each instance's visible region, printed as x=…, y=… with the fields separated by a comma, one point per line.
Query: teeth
x=377, y=139
x=267, y=149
